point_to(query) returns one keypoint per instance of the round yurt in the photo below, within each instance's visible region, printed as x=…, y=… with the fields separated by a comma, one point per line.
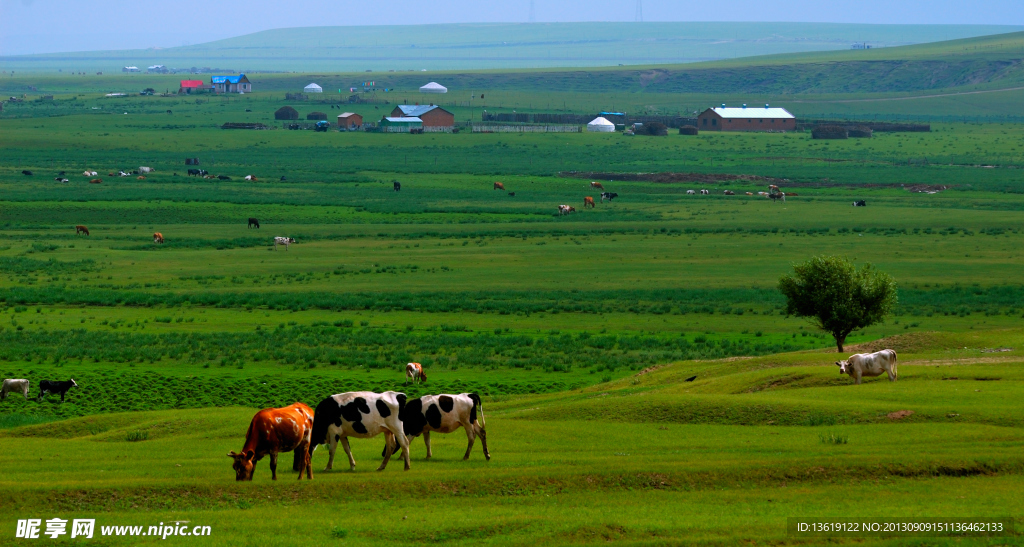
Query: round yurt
x=601, y=125
x=313, y=88
x=433, y=87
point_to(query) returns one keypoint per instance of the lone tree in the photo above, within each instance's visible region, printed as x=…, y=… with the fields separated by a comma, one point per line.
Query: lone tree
x=836, y=296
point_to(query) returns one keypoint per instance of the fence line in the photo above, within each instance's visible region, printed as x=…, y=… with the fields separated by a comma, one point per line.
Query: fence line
x=527, y=129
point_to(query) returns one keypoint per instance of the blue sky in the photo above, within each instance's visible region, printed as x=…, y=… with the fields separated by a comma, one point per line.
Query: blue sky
x=43, y=26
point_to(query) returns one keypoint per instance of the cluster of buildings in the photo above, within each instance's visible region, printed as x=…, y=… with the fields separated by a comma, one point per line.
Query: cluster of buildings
x=218, y=84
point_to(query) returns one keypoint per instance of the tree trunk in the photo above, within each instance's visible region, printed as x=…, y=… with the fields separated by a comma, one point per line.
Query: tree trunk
x=839, y=343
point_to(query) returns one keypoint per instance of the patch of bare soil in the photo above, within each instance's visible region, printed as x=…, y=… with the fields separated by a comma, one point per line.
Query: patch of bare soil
x=900, y=414
x=907, y=343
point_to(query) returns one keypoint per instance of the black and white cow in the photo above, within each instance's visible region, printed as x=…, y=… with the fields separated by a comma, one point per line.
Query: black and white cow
x=398, y=186
x=444, y=414
x=286, y=241
x=608, y=195
x=54, y=386
x=860, y=203
x=13, y=385
x=360, y=414
x=197, y=172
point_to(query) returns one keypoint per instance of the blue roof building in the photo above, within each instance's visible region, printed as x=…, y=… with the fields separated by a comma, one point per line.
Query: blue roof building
x=231, y=84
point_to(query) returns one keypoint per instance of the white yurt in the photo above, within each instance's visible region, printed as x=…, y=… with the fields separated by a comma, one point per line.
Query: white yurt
x=433, y=87
x=313, y=88
x=601, y=125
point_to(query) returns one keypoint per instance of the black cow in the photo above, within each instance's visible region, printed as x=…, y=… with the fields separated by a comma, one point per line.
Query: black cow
x=860, y=203
x=283, y=179
x=27, y=173
x=511, y=194
x=608, y=195
x=54, y=386
x=223, y=177
x=253, y=222
x=398, y=186
x=197, y=172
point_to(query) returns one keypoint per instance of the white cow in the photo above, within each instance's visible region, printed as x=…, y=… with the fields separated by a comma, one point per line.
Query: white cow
x=691, y=192
x=704, y=192
x=445, y=414
x=869, y=364
x=144, y=170
x=286, y=241
x=360, y=414
x=14, y=386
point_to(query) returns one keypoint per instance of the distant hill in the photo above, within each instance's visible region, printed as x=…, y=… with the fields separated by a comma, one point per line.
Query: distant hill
x=503, y=46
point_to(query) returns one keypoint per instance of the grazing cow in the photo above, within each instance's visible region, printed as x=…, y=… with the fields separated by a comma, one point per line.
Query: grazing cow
x=704, y=192
x=96, y=181
x=414, y=372
x=254, y=222
x=860, y=203
x=597, y=185
x=123, y=174
x=81, y=230
x=565, y=210
x=283, y=179
x=729, y=193
x=145, y=170
x=360, y=414
x=444, y=414
x=223, y=177
x=158, y=237
x=14, y=386
x=589, y=201
x=499, y=186
x=53, y=386
x=210, y=177
x=276, y=430
x=59, y=179
x=511, y=194
x=252, y=178
x=869, y=364
x=61, y=174
x=194, y=172
x=397, y=185
x=140, y=177
x=749, y=193
x=27, y=173
x=608, y=196
x=88, y=173
x=690, y=192
x=286, y=241
x=777, y=196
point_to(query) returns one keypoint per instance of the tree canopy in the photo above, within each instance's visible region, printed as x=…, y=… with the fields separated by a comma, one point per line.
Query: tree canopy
x=836, y=296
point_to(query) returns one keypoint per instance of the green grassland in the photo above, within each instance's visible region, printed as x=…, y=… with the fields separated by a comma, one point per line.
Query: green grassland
x=579, y=331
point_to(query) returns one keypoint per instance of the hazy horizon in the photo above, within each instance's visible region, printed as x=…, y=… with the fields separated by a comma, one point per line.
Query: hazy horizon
x=51, y=26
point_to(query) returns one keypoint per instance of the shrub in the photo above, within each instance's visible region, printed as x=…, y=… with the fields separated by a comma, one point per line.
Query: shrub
x=654, y=129
x=688, y=130
x=829, y=132
x=316, y=116
x=286, y=113
x=136, y=436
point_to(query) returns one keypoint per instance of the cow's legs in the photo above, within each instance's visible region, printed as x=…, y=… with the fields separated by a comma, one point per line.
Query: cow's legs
x=332, y=448
x=62, y=393
x=471, y=435
x=389, y=442
x=426, y=440
x=348, y=450
x=395, y=427
x=273, y=465
x=892, y=374
x=483, y=441
x=857, y=377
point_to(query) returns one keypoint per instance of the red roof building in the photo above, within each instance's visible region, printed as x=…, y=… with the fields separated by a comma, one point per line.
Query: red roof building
x=188, y=86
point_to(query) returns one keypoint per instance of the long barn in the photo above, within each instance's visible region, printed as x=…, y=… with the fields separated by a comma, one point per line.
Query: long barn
x=746, y=119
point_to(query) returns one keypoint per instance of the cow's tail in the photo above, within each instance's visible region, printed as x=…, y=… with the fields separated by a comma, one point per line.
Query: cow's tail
x=478, y=406
x=894, y=373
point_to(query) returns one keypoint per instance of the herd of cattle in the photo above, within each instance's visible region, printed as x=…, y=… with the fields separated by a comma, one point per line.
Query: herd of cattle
x=21, y=385
x=360, y=414
x=159, y=237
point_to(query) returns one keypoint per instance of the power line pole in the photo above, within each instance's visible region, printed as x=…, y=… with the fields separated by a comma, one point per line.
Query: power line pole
x=533, y=13
x=639, y=11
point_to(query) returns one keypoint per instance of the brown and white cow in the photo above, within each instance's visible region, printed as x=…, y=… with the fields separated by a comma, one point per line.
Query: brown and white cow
x=158, y=237
x=597, y=185
x=414, y=372
x=565, y=209
x=81, y=230
x=276, y=430
x=444, y=414
x=869, y=364
x=360, y=414
x=589, y=201
x=499, y=186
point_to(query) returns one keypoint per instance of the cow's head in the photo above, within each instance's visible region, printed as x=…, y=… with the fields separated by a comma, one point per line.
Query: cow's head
x=244, y=464
x=423, y=375
x=73, y=384
x=844, y=367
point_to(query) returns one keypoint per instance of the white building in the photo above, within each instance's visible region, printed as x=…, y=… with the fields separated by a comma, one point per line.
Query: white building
x=313, y=88
x=601, y=125
x=433, y=87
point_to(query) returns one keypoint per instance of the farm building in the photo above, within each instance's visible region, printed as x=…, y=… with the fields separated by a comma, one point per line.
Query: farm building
x=130, y=69
x=601, y=125
x=746, y=119
x=231, y=84
x=286, y=113
x=349, y=120
x=399, y=124
x=313, y=88
x=191, y=86
x=432, y=116
x=433, y=87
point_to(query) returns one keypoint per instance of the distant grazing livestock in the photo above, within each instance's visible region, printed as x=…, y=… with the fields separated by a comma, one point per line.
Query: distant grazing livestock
x=499, y=186
x=53, y=386
x=140, y=177
x=398, y=186
x=253, y=221
x=729, y=193
x=14, y=386
x=608, y=196
x=272, y=431
x=860, y=203
x=749, y=193
x=81, y=230
x=869, y=364
x=145, y=170
x=792, y=194
x=96, y=181
x=597, y=185
x=414, y=372
x=565, y=209
x=88, y=173
x=690, y=192
x=704, y=192
x=511, y=194
x=27, y=173
x=286, y=241
x=360, y=414
x=283, y=179
x=123, y=174
x=589, y=201
x=223, y=177
x=775, y=196
x=210, y=177
x=61, y=174
x=445, y=414
x=158, y=237
x=252, y=178
x=194, y=173
x=59, y=179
